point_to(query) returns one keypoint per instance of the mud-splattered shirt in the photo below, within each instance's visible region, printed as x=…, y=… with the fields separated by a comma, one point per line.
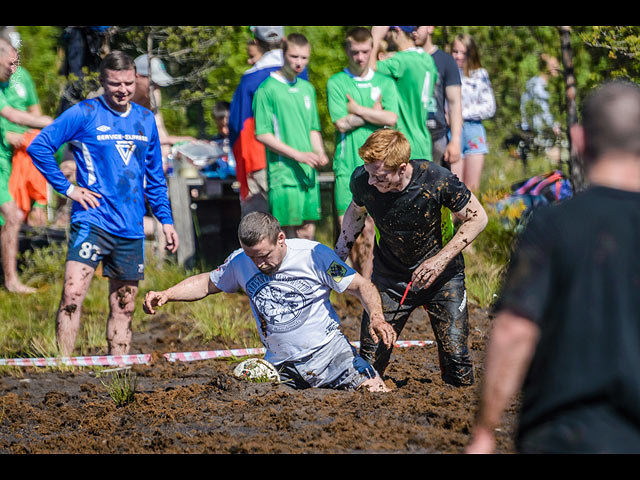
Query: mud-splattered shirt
x=292, y=306
x=409, y=222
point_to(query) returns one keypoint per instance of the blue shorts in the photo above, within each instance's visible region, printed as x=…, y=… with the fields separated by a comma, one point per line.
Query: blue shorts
x=474, y=138
x=122, y=258
x=335, y=365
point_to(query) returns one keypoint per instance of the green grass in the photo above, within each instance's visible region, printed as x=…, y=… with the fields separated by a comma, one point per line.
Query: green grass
x=121, y=387
x=27, y=322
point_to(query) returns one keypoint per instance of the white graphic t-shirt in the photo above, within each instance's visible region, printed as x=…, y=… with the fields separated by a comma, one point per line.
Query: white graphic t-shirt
x=292, y=308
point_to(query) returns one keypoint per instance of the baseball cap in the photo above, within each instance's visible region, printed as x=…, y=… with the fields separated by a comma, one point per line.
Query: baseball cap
x=406, y=29
x=159, y=73
x=268, y=34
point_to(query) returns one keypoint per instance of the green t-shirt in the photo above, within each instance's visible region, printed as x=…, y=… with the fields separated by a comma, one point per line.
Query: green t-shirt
x=365, y=91
x=289, y=111
x=19, y=93
x=415, y=73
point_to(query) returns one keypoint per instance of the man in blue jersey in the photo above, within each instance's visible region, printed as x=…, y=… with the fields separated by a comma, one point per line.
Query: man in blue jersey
x=117, y=151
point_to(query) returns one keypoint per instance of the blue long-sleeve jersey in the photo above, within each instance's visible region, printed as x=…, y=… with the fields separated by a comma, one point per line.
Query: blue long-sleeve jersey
x=118, y=155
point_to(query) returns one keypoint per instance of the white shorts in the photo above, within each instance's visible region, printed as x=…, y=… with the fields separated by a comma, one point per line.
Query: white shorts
x=335, y=365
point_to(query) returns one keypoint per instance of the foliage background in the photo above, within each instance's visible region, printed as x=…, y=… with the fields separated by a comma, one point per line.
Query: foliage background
x=209, y=62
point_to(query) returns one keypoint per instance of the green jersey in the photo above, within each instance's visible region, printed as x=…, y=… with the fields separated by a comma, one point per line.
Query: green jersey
x=415, y=73
x=365, y=91
x=289, y=111
x=19, y=93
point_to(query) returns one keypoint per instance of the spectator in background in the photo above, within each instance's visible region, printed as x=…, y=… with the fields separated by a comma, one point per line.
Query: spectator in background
x=84, y=48
x=148, y=95
x=445, y=109
x=249, y=153
x=567, y=324
x=254, y=52
x=534, y=102
x=415, y=73
x=360, y=101
x=12, y=216
x=27, y=186
x=478, y=104
x=534, y=107
x=225, y=165
x=288, y=124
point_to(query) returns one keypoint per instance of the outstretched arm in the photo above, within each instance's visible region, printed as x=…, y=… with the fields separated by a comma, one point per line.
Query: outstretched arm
x=190, y=289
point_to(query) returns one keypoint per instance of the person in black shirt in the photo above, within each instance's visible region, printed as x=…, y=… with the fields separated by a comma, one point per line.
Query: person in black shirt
x=567, y=328
x=405, y=199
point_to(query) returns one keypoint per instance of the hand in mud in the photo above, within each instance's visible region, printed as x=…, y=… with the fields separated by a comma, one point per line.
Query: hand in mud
x=427, y=272
x=85, y=197
x=379, y=328
x=153, y=300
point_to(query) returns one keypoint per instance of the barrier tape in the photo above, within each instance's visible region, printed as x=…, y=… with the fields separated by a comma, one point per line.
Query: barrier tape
x=99, y=360
x=141, y=359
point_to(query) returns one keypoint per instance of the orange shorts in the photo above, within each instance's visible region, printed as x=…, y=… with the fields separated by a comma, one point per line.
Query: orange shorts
x=26, y=183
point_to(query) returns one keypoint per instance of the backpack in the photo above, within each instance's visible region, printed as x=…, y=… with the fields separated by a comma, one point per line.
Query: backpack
x=539, y=190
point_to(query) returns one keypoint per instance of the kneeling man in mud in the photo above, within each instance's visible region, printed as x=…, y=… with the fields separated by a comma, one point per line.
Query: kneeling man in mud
x=288, y=282
x=405, y=198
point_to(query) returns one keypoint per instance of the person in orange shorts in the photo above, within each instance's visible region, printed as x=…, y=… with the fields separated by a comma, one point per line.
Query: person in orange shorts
x=27, y=186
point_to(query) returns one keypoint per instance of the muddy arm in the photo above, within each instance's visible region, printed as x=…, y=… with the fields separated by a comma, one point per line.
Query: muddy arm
x=364, y=290
x=189, y=290
x=352, y=226
x=474, y=219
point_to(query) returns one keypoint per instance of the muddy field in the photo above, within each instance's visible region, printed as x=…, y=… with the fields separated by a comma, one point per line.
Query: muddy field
x=199, y=407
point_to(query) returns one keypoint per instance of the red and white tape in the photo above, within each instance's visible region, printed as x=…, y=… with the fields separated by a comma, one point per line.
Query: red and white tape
x=191, y=356
x=99, y=360
x=140, y=359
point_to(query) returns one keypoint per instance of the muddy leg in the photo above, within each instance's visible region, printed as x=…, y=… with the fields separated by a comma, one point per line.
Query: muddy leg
x=77, y=278
x=122, y=302
x=450, y=322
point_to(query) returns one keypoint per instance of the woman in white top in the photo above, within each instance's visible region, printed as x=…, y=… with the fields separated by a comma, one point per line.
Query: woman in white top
x=478, y=103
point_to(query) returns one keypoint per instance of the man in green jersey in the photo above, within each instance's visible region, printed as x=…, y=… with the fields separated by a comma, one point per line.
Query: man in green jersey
x=415, y=74
x=360, y=101
x=11, y=215
x=288, y=124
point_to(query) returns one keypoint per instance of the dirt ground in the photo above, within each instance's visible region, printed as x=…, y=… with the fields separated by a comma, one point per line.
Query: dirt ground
x=199, y=407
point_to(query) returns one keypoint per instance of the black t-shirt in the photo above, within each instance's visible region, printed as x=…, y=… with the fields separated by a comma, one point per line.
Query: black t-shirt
x=409, y=222
x=576, y=274
x=448, y=74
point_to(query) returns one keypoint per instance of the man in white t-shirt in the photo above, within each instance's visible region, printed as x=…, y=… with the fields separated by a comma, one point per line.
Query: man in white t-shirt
x=289, y=282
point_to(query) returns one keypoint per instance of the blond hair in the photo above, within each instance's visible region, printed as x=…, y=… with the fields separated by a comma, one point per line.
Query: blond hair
x=387, y=145
x=473, y=54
